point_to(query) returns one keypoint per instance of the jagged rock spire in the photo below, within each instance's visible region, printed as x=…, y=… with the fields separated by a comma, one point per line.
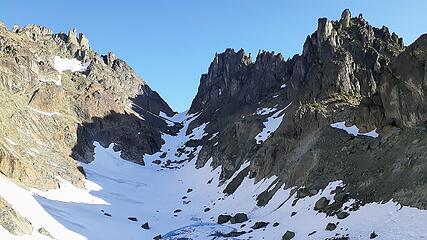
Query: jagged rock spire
x=84, y=42
x=325, y=31
x=72, y=36
x=345, y=18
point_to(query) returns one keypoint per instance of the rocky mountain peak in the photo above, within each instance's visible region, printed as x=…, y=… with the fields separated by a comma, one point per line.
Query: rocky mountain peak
x=72, y=37
x=233, y=75
x=231, y=57
x=64, y=85
x=345, y=18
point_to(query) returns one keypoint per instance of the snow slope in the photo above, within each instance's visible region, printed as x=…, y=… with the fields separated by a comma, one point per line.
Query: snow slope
x=184, y=202
x=271, y=124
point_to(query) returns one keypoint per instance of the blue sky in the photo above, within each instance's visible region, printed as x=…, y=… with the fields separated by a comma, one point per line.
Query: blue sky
x=170, y=43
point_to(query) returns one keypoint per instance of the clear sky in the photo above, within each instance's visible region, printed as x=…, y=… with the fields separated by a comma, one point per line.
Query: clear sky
x=170, y=43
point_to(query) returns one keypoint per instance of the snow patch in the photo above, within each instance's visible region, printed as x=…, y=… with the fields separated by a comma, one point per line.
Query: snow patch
x=354, y=130
x=167, y=119
x=74, y=65
x=265, y=111
x=270, y=126
x=50, y=114
x=199, y=132
x=213, y=136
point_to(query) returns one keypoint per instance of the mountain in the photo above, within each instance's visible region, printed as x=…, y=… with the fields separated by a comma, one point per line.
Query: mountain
x=329, y=144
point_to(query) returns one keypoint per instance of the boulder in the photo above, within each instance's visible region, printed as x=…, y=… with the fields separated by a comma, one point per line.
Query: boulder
x=145, y=226
x=331, y=226
x=373, y=235
x=321, y=204
x=288, y=235
x=223, y=218
x=259, y=225
x=342, y=215
x=239, y=218
x=45, y=232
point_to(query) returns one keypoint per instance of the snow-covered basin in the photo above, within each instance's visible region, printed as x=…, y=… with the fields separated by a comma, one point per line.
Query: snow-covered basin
x=152, y=195
x=149, y=193
x=117, y=190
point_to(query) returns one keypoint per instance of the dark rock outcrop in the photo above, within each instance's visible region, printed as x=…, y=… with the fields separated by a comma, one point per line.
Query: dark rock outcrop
x=403, y=86
x=239, y=218
x=223, y=219
x=348, y=71
x=288, y=235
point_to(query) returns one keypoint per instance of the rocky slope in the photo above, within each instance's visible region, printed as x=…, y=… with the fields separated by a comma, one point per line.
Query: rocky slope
x=348, y=71
x=267, y=126
x=52, y=86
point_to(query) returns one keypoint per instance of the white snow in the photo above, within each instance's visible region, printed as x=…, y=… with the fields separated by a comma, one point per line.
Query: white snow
x=199, y=132
x=354, y=130
x=26, y=205
x=265, y=111
x=283, y=86
x=74, y=65
x=167, y=119
x=50, y=114
x=213, y=136
x=70, y=193
x=270, y=126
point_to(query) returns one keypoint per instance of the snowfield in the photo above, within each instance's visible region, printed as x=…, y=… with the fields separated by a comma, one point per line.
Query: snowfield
x=184, y=203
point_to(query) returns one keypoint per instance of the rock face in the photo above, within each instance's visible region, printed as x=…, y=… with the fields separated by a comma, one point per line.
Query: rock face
x=348, y=71
x=56, y=90
x=13, y=221
x=403, y=87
